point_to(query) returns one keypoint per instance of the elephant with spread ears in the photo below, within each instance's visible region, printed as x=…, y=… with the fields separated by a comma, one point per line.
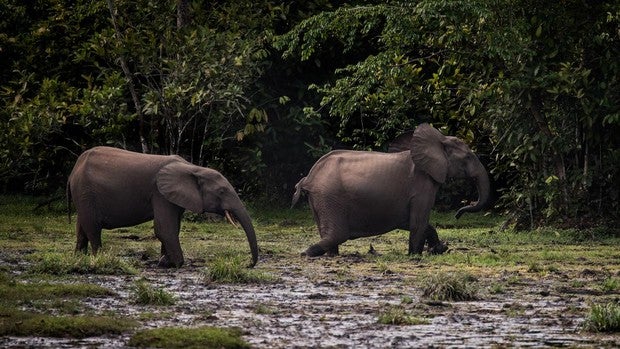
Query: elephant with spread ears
x=356, y=194
x=113, y=188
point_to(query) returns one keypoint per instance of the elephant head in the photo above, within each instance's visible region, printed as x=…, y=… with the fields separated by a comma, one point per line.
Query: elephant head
x=443, y=157
x=201, y=190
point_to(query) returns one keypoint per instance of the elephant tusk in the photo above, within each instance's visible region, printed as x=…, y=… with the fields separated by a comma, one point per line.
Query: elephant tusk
x=230, y=219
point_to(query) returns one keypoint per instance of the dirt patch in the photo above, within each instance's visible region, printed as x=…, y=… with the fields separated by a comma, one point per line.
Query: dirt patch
x=327, y=302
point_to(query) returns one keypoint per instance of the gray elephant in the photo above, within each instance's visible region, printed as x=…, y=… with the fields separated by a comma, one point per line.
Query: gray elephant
x=114, y=188
x=355, y=194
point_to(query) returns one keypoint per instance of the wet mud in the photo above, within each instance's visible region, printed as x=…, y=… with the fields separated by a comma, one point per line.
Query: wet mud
x=326, y=302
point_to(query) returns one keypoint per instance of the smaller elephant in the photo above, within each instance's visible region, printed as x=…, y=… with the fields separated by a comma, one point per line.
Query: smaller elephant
x=113, y=188
x=355, y=194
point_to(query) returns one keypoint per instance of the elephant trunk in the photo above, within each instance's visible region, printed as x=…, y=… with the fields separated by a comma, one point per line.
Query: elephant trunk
x=484, y=192
x=246, y=223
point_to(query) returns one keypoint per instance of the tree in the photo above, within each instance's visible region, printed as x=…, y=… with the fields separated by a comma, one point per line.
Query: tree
x=515, y=78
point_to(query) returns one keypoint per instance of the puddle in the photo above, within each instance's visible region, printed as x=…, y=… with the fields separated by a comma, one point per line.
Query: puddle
x=302, y=310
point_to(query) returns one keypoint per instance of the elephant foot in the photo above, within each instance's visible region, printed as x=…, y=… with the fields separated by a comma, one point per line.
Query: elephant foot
x=439, y=248
x=81, y=250
x=333, y=252
x=164, y=262
x=314, y=251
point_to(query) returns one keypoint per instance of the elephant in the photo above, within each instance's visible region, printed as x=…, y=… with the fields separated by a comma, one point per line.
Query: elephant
x=112, y=188
x=355, y=194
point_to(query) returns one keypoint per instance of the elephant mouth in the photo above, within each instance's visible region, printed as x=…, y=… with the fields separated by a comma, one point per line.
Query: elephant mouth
x=231, y=219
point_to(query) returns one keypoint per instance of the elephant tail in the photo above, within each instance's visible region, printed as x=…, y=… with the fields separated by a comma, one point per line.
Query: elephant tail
x=68, y=195
x=298, y=191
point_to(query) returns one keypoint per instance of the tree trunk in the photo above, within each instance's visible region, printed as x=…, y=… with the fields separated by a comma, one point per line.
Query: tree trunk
x=183, y=18
x=557, y=158
x=130, y=82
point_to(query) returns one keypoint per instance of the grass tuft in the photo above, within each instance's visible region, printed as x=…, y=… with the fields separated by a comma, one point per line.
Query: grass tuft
x=16, y=291
x=202, y=337
x=399, y=316
x=20, y=323
x=146, y=294
x=64, y=264
x=450, y=287
x=603, y=318
x=234, y=271
x=610, y=284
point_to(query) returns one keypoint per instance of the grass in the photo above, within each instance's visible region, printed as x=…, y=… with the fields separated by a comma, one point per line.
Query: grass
x=202, y=337
x=146, y=294
x=450, y=287
x=396, y=315
x=603, y=318
x=41, y=278
x=234, y=270
x=12, y=291
x=21, y=323
x=611, y=284
x=103, y=263
x=58, y=298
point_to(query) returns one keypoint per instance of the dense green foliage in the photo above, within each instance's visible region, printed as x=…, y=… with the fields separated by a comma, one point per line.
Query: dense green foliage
x=532, y=85
x=261, y=89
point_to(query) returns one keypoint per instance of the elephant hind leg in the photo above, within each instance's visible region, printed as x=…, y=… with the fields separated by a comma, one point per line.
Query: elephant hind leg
x=326, y=245
x=87, y=232
x=81, y=244
x=330, y=220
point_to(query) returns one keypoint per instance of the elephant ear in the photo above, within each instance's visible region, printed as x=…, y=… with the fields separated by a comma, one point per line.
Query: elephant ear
x=427, y=152
x=178, y=184
x=400, y=143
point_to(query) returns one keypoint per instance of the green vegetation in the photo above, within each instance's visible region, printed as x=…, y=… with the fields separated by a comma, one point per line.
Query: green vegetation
x=11, y=291
x=604, y=318
x=261, y=89
x=146, y=294
x=63, y=264
x=450, y=287
x=202, y=337
x=611, y=284
x=235, y=270
x=43, y=282
x=20, y=323
x=58, y=298
x=396, y=315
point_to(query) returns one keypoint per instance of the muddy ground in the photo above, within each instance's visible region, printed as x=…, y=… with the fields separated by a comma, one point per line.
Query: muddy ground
x=327, y=302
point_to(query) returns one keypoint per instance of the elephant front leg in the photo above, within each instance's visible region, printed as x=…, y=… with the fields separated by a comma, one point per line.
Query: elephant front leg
x=167, y=225
x=420, y=213
x=416, y=241
x=435, y=246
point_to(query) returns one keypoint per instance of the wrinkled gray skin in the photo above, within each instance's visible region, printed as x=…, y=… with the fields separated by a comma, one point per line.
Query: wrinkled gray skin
x=113, y=188
x=355, y=194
